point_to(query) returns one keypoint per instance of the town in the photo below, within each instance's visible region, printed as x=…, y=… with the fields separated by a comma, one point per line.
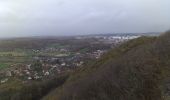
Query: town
x=50, y=61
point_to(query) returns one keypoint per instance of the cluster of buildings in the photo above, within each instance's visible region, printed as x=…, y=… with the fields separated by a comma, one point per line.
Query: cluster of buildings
x=118, y=39
x=46, y=66
x=112, y=38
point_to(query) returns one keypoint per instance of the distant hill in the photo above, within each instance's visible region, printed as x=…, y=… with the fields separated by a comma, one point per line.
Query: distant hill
x=9, y=44
x=30, y=43
x=136, y=70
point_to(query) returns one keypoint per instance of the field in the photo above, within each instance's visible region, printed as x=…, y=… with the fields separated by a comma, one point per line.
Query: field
x=13, y=57
x=3, y=65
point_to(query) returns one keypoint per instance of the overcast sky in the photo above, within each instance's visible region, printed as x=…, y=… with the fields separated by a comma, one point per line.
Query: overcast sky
x=69, y=17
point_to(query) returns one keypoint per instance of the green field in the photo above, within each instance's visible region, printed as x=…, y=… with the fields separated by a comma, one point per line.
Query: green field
x=13, y=57
x=13, y=54
x=3, y=65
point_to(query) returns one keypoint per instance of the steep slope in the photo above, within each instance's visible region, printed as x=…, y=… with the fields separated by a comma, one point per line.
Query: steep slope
x=137, y=70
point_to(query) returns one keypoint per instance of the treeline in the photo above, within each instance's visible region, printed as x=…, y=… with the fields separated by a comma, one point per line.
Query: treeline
x=32, y=91
x=40, y=43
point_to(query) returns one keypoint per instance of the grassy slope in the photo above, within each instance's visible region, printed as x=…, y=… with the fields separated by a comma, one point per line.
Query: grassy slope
x=136, y=70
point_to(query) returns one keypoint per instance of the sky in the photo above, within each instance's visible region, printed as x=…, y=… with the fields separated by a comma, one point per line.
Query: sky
x=72, y=17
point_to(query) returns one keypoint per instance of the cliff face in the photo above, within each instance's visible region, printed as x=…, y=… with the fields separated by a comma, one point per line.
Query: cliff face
x=137, y=70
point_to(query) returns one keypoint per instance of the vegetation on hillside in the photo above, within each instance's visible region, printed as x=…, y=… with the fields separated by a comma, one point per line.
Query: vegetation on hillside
x=15, y=89
x=136, y=70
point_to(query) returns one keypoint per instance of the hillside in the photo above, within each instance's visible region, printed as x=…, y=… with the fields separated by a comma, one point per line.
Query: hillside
x=136, y=70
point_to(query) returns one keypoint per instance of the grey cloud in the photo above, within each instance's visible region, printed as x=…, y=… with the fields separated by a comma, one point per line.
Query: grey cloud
x=68, y=17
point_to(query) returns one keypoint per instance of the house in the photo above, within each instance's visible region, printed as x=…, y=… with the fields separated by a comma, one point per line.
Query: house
x=4, y=80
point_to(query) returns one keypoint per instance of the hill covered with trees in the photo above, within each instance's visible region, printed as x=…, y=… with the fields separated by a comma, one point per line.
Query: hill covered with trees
x=136, y=70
